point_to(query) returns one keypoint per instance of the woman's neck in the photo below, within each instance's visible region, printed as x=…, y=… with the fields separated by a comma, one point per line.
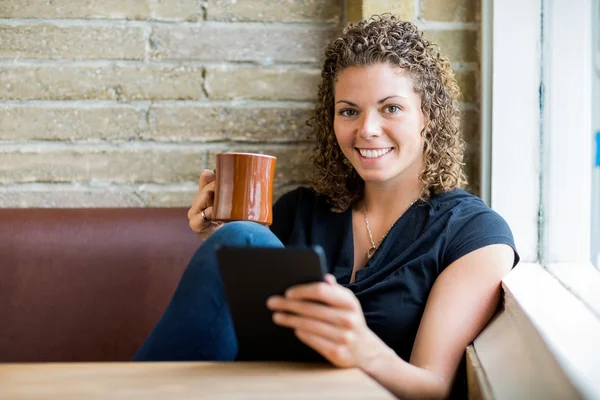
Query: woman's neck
x=390, y=201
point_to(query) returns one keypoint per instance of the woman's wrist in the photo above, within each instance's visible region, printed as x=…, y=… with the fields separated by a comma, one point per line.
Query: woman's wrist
x=379, y=356
x=401, y=378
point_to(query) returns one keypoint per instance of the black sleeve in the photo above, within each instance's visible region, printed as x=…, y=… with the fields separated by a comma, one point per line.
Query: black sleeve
x=284, y=211
x=475, y=227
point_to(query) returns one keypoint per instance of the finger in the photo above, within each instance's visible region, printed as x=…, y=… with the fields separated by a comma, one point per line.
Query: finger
x=198, y=223
x=204, y=199
x=330, y=279
x=333, y=295
x=339, y=317
x=336, y=354
x=206, y=176
x=323, y=329
x=195, y=207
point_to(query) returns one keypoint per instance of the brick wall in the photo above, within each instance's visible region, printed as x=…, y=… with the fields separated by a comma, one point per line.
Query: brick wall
x=122, y=102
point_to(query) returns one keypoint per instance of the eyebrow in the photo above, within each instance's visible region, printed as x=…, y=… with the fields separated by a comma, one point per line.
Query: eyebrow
x=379, y=102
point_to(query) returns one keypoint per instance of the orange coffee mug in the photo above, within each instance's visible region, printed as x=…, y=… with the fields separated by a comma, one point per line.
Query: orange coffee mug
x=244, y=187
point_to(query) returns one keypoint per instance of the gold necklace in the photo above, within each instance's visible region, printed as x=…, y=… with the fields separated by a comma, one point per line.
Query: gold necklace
x=374, y=246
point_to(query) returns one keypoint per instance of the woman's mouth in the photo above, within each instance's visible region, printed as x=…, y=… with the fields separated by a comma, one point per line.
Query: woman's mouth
x=374, y=153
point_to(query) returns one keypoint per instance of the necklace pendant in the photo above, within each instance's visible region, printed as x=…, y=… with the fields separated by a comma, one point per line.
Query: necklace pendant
x=370, y=252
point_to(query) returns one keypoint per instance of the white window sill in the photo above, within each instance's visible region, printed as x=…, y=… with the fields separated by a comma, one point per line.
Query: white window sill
x=545, y=343
x=582, y=280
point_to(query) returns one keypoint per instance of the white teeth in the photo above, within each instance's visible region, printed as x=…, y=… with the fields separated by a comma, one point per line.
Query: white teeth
x=374, y=153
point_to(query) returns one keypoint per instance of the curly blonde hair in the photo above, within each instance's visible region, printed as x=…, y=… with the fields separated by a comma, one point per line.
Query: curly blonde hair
x=386, y=39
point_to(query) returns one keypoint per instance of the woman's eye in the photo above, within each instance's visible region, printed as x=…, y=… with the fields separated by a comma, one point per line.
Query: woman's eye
x=392, y=109
x=347, y=112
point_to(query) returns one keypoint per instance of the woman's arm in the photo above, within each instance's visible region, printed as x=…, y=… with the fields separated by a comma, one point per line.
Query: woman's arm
x=462, y=301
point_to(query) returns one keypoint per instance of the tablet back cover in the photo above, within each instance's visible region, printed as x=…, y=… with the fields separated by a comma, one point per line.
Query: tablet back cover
x=250, y=275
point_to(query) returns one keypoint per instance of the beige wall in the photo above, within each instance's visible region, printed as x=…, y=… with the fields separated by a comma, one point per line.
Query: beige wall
x=122, y=103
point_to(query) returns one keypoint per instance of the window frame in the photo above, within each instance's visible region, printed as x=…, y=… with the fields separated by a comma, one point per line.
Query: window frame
x=536, y=85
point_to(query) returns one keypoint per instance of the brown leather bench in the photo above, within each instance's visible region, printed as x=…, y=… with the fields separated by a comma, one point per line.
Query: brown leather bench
x=87, y=284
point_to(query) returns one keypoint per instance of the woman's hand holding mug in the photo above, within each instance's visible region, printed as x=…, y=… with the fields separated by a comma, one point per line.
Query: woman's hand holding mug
x=239, y=189
x=201, y=212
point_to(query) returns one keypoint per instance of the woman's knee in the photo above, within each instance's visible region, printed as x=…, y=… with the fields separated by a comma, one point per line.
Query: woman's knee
x=244, y=233
x=234, y=234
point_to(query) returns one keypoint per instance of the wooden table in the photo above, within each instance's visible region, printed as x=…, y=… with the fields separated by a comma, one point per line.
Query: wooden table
x=191, y=380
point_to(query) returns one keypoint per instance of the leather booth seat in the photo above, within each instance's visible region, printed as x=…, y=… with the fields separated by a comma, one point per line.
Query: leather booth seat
x=87, y=284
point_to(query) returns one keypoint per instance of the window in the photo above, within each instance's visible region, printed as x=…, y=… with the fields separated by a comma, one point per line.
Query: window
x=538, y=111
x=537, y=80
x=596, y=133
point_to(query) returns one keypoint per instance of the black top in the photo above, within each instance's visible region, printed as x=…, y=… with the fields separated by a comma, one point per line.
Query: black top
x=394, y=284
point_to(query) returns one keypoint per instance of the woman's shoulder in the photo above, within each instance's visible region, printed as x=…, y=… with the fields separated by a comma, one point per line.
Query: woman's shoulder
x=461, y=205
x=470, y=222
x=456, y=198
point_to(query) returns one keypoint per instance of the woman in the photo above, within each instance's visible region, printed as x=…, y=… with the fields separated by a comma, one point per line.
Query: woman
x=415, y=262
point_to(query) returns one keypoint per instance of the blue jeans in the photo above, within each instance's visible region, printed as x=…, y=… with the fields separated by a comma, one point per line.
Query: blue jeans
x=196, y=325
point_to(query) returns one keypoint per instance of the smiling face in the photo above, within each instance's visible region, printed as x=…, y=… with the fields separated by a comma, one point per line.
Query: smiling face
x=378, y=123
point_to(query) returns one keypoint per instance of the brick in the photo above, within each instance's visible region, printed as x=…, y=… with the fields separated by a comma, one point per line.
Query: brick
x=292, y=161
x=169, y=198
x=49, y=196
x=467, y=81
x=404, y=9
x=469, y=125
x=262, y=83
x=357, y=10
x=72, y=42
x=63, y=196
x=101, y=83
x=240, y=42
x=457, y=45
x=241, y=123
x=450, y=10
x=57, y=9
x=184, y=197
x=110, y=165
x=188, y=10
x=354, y=11
x=120, y=122
x=274, y=11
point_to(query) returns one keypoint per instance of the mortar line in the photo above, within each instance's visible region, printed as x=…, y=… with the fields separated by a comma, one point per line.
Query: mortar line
x=147, y=46
x=417, y=11
x=95, y=185
x=208, y=25
x=203, y=103
x=101, y=146
x=149, y=62
x=446, y=26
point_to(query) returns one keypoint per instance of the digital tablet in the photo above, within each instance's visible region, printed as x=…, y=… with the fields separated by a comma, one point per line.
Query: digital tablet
x=250, y=276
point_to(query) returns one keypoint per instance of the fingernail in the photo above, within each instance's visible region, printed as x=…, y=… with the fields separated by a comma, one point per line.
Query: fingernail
x=272, y=301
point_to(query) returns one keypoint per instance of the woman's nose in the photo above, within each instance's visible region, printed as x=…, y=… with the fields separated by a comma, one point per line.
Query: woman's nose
x=370, y=126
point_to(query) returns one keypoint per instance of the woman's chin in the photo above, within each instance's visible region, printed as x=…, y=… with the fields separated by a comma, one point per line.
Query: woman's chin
x=374, y=178
x=382, y=178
